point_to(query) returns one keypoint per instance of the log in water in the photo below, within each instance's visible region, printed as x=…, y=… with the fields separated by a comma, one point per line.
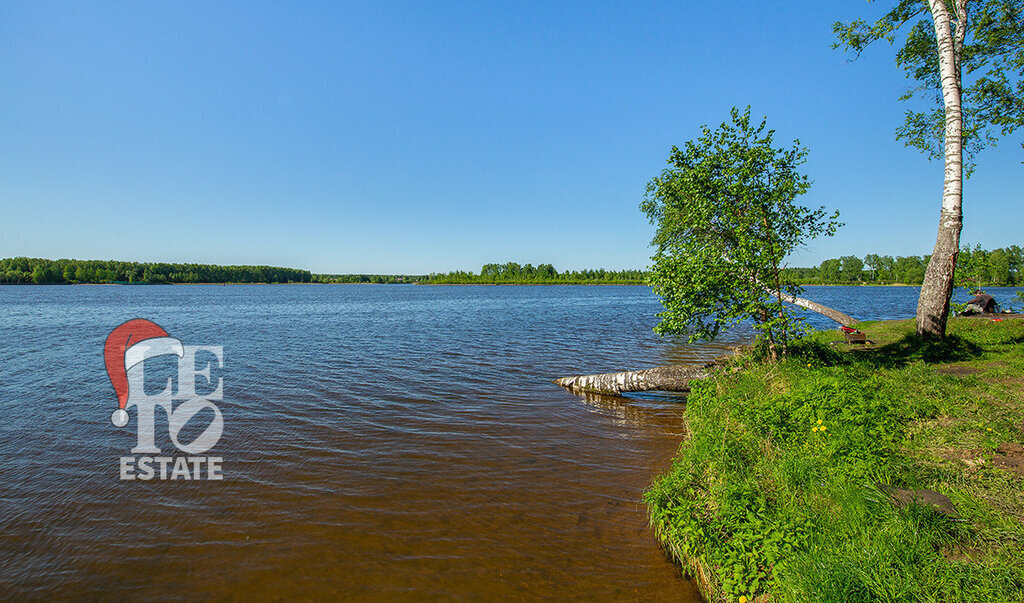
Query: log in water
x=673, y=378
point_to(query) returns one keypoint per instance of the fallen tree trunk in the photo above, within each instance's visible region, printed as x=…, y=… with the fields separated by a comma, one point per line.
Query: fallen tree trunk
x=825, y=311
x=674, y=378
x=835, y=315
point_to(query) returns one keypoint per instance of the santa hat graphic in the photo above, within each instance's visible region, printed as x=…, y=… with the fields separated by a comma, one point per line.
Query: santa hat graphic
x=128, y=345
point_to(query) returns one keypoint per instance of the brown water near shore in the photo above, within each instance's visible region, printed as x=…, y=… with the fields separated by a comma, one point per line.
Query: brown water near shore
x=379, y=442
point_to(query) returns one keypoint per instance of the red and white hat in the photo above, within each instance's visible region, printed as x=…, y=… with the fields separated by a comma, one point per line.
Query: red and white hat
x=127, y=345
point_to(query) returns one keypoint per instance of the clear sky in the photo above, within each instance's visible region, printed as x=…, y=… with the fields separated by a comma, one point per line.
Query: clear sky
x=416, y=137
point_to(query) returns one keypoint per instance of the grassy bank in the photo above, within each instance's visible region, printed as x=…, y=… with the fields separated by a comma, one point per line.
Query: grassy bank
x=782, y=490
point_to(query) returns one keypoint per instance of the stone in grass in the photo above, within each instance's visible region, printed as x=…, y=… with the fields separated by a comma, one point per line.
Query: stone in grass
x=902, y=498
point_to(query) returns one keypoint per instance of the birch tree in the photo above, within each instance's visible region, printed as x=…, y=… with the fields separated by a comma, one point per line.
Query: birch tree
x=726, y=219
x=984, y=40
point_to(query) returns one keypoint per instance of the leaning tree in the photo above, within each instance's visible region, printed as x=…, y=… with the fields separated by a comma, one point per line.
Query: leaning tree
x=967, y=57
x=727, y=217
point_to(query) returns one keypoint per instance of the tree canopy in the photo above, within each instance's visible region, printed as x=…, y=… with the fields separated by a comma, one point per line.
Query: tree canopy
x=991, y=66
x=726, y=219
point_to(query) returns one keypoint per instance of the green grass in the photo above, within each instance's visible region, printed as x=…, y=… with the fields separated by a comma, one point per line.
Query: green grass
x=777, y=494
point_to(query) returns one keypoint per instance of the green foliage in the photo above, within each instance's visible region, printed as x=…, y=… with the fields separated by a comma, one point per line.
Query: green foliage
x=776, y=492
x=829, y=271
x=726, y=218
x=999, y=267
x=991, y=69
x=1003, y=267
x=43, y=271
x=883, y=269
x=829, y=429
x=511, y=273
x=852, y=268
x=376, y=279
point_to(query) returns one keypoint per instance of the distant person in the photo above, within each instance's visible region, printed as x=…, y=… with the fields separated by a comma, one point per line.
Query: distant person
x=981, y=303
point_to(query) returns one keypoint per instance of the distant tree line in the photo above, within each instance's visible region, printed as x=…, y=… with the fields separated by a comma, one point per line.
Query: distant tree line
x=976, y=267
x=42, y=271
x=376, y=279
x=513, y=273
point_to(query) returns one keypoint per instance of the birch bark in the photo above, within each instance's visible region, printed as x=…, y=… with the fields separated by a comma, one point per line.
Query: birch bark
x=676, y=377
x=933, y=303
x=835, y=315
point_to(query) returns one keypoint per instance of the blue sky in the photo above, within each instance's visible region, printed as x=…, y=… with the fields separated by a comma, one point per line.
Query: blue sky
x=430, y=136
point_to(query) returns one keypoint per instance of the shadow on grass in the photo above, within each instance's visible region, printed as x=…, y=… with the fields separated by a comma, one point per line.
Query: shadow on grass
x=914, y=347
x=1017, y=339
x=910, y=348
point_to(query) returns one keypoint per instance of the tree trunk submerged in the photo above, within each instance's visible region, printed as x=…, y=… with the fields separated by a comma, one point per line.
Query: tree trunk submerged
x=676, y=377
x=673, y=378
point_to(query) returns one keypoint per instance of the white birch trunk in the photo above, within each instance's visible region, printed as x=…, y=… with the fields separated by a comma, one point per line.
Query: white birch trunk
x=825, y=311
x=675, y=377
x=933, y=303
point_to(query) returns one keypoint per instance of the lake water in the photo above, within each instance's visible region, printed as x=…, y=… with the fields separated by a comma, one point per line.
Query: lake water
x=379, y=441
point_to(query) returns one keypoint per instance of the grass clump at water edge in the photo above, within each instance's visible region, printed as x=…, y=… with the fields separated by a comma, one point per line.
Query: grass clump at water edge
x=783, y=490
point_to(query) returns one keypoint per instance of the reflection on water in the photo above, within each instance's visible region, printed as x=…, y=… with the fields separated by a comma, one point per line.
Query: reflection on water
x=640, y=409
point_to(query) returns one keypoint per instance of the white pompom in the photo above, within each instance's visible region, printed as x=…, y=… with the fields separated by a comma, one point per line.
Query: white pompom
x=119, y=418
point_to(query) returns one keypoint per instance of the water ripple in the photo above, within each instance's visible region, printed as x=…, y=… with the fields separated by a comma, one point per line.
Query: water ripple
x=380, y=441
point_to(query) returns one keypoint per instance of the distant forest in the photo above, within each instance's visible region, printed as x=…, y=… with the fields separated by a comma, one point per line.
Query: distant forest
x=509, y=273
x=512, y=273
x=41, y=271
x=376, y=279
x=975, y=268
